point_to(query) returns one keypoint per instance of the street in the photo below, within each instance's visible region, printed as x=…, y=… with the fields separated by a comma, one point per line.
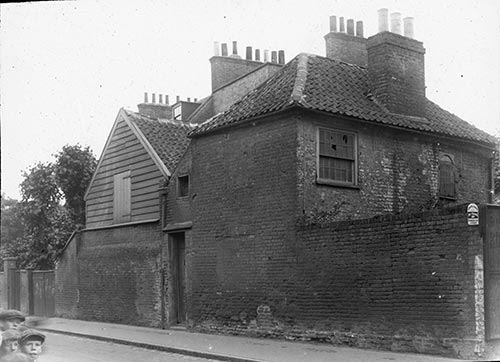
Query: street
x=63, y=348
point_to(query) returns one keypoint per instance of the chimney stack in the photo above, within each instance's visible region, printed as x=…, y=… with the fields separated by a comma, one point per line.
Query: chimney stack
x=359, y=29
x=281, y=57
x=383, y=20
x=153, y=100
x=224, y=49
x=346, y=47
x=153, y=109
x=408, y=27
x=145, y=97
x=235, y=50
x=396, y=23
x=350, y=27
x=333, y=23
x=249, y=53
x=177, y=98
x=216, y=48
x=341, y=25
x=274, y=57
x=266, y=56
x=166, y=99
x=160, y=98
x=257, y=55
x=396, y=67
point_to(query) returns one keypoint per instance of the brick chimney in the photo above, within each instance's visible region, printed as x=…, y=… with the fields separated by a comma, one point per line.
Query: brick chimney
x=396, y=66
x=155, y=110
x=227, y=68
x=346, y=46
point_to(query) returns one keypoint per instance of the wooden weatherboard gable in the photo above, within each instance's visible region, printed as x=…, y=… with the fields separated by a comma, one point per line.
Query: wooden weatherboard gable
x=129, y=169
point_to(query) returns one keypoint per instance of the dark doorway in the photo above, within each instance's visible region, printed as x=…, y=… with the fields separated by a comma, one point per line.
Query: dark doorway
x=179, y=277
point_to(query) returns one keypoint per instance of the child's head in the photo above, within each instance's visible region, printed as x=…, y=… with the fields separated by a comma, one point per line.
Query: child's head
x=11, y=319
x=31, y=342
x=10, y=340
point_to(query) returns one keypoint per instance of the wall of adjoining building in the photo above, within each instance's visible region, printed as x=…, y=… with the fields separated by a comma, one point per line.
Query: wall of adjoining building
x=403, y=283
x=119, y=276
x=398, y=171
x=66, y=280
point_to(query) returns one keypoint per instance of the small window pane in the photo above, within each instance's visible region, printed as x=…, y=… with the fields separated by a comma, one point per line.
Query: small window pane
x=446, y=177
x=183, y=186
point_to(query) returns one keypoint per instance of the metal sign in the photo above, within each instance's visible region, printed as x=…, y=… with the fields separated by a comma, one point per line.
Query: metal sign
x=472, y=214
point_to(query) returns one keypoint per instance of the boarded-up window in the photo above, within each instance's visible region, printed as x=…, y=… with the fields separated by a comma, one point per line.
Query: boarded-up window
x=446, y=177
x=121, y=198
x=337, y=156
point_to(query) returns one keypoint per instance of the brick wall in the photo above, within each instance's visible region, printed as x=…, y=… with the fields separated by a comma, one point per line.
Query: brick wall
x=398, y=172
x=119, y=276
x=227, y=69
x=347, y=48
x=242, y=205
x=403, y=283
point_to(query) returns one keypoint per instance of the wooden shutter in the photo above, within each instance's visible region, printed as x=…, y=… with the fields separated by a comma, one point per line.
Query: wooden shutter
x=121, y=199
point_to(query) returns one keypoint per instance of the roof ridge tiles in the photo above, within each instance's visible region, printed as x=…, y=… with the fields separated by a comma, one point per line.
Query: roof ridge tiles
x=298, y=95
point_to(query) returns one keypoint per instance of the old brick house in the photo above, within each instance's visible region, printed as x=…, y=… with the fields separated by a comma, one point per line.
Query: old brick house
x=320, y=199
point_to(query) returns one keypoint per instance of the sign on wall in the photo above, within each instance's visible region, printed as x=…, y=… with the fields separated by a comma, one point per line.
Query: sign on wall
x=472, y=214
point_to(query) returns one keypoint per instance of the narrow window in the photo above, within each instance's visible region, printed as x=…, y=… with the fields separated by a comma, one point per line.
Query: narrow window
x=178, y=112
x=337, y=156
x=121, y=198
x=183, y=186
x=446, y=177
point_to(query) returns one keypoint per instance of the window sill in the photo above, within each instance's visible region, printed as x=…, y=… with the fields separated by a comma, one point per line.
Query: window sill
x=336, y=184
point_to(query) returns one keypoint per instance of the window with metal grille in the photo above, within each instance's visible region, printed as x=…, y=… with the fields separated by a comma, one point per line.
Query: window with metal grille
x=446, y=177
x=337, y=156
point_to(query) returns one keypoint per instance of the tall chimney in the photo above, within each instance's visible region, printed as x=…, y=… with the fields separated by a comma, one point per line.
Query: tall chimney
x=235, y=50
x=224, y=49
x=166, y=99
x=396, y=72
x=341, y=25
x=177, y=98
x=348, y=47
x=153, y=96
x=257, y=55
x=266, y=55
x=333, y=23
x=408, y=27
x=359, y=28
x=216, y=48
x=396, y=23
x=274, y=57
x=249, y=53
x=383, y=20
x=160, y=98
x=281, y=57
x=153, y=109
x=145, y=97
x=350, y=27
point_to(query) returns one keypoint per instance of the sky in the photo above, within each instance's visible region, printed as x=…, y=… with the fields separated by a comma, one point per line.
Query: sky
x=67, y=67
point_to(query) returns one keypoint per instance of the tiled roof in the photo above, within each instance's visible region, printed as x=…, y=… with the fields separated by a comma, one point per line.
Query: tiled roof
x=168, y=138
x=323, y=84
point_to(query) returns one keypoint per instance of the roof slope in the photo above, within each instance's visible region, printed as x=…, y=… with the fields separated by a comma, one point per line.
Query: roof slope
x=168, y=138
x=323, y=84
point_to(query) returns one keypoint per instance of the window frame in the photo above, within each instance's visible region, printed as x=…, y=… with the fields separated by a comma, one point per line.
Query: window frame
x=177, y=117
x=453, y=173
x=323, y=181
x=179, y=196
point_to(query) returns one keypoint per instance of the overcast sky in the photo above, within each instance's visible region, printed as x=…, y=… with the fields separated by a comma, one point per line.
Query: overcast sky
x=68, y=67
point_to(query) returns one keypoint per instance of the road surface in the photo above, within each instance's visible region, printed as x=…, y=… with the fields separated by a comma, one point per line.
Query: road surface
x=62, y=348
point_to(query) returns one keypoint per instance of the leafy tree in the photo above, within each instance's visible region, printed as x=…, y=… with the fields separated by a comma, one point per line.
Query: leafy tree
x=73, y=169
x=12, y=227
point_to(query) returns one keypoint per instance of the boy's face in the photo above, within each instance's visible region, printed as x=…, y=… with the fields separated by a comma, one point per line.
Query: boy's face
x=10, y=346
x=32, y=347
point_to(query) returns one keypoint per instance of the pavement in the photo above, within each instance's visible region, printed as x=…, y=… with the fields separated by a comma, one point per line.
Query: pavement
x=225, y=348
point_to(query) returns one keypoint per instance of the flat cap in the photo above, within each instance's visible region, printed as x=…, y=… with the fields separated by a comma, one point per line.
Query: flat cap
x=11, y=335
x=31, y=334
x=12, y=314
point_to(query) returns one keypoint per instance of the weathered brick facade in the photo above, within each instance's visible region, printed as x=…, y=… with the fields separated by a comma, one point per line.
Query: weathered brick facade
x=114, y=274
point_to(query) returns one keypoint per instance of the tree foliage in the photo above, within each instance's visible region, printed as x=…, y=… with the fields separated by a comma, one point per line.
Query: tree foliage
x=74, y=168
x=51, y=207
